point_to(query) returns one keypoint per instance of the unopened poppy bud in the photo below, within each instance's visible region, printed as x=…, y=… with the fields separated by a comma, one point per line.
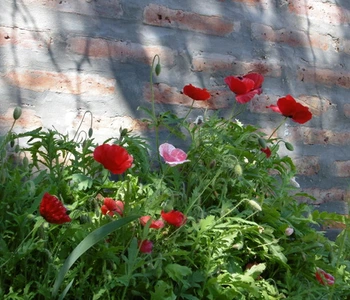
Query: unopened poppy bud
x=238, y=170
x=158, y=69
x=17, y=113
x=12, y=143
x=289, y=146
x=262, y=143
x=90, y=132
x=255, y=205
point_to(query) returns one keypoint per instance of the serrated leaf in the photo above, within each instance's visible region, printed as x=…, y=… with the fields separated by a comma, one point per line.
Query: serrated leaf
x=177, y=272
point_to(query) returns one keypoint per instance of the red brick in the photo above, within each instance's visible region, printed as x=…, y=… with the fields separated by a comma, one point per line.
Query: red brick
x=314, y=136
x=213, y=62
x=106, y=8
x=158, y=15
x=121, y=50
x=325, y=195
x=166, y=94
x=71, y=82
x=342, y=168
x=34, y=40
x=295, y=38
x=325, y=77
x=307, y=165
x=322, y=11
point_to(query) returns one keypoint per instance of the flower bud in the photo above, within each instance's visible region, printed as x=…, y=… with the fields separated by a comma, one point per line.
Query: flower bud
x=157, y=69
x=255, y=205
x=90, y=132
x=238, y=170
x=17, y=113
x=262, y=143
x=289, y=146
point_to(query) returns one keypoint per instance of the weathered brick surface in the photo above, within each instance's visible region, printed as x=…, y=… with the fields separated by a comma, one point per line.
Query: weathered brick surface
x=307, y=165
x=107, y=8
x=207, y=62
x=322, y=11
x=327, y=77
x=70, y=83
x=292, y=37
x=163, y=16
x=122, y=50
x=34, y=40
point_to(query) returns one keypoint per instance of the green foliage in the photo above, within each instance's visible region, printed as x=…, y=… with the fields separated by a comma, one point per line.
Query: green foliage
x=238, y=203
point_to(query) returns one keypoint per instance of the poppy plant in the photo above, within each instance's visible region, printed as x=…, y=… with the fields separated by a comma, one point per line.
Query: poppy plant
x=174, y=217
x=111, y=207
x=288, y=107
x=53, y=210
x=245, y=87
x=156, y=224
x=114, y=158
x=146, y=246
x=323, y=277
x=196, y=93
x=171, y=155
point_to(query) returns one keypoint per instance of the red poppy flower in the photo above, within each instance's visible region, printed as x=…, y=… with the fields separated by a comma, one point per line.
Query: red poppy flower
x=156, y=224
x=196, y=93
x=288, y=107
x=111, y=207
x=172, y=156
x=174, y=217
x=323, y=277
x=113, y=157
x=53, y=210
x=267, y=151
x=245, y=87
x=146, y=246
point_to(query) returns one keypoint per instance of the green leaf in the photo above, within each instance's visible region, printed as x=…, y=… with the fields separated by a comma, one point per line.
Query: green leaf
x=89, y=241
x=84, y=182
x=177, y=272
x=162, y=291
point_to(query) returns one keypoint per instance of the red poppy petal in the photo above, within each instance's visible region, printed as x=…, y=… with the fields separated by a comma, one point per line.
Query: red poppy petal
x=246, y=97
x=236, y=85
x=257, y=78
x=196, y=93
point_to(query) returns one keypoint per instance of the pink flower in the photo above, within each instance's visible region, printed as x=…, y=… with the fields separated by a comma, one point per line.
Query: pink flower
x=323, y=277
x=172, y=156
x=146, y=246
x=53, y=210
x=174, y=217
x=111, y=207
x=267, y=151
x=245, y=87
x=196, y=93
x=156, y=224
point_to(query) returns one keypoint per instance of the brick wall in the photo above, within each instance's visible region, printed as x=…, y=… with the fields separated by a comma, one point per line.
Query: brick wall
x=60, y=58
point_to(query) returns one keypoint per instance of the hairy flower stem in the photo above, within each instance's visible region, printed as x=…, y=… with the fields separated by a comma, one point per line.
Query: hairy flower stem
x=155, y=119
x=278, y=127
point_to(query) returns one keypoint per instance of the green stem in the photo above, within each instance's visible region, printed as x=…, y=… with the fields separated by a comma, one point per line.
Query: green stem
x=155, y=120
x=189, y=111
x=278, y=127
